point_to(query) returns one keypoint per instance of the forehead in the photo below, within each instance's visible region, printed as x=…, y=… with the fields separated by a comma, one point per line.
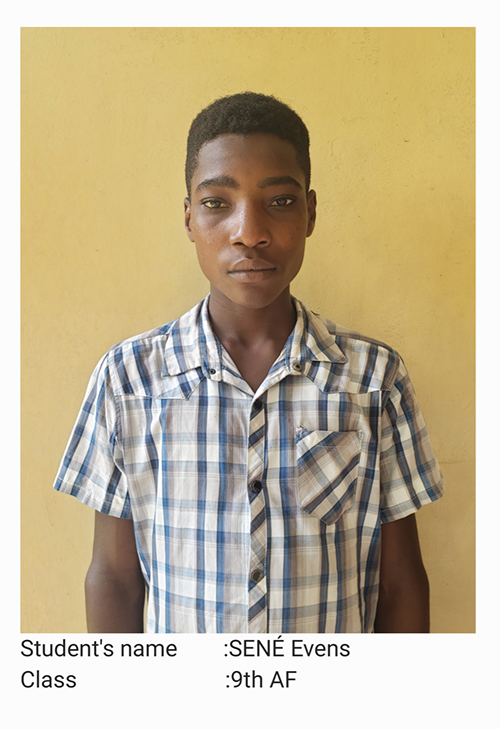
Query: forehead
x=253, y=154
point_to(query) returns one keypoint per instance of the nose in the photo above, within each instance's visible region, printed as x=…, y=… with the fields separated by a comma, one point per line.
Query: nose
x=250, y=227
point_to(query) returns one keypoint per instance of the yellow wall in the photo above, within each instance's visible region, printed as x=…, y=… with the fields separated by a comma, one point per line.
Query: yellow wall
x=105, y=114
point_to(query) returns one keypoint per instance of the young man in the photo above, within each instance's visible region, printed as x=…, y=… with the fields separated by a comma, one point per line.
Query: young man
x=254, y=465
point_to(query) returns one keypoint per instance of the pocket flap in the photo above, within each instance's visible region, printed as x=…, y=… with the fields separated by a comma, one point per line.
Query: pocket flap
x=327, y=465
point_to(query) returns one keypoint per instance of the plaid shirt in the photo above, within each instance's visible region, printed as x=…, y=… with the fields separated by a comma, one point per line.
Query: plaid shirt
x=253, y=512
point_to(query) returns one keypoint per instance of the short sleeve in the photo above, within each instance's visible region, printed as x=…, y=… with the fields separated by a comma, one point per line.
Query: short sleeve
x=92, y=466
x=409, y=472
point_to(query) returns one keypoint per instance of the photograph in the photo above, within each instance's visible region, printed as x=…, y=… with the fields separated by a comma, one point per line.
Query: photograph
x=247, y=329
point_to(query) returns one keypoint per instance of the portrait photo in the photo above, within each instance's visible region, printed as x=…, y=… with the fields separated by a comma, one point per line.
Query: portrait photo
x=272, y=494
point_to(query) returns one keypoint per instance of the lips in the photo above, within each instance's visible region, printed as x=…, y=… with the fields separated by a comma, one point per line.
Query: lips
x=251, y=265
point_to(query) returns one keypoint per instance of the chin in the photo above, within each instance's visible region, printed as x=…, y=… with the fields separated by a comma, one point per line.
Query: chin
x=250, y=297
x=258, y=300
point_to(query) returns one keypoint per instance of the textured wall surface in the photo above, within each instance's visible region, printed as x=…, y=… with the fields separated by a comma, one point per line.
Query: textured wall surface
x=105, y=114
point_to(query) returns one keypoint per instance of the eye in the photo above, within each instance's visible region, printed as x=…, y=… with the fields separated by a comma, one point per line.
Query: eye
x=282, y=202
x=213, y=204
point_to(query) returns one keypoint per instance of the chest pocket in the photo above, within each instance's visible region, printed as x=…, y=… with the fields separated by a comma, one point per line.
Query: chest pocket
x=327, y=465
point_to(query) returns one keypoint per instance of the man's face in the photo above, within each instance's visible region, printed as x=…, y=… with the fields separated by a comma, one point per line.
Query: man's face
x=249, y=216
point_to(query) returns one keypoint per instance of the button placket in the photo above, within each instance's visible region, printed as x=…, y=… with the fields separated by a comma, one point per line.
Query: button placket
x=257, y=584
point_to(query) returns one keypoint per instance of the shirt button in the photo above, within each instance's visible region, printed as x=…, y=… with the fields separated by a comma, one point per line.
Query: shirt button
x=212, y=371
x=256, y=575
x=297, y=367
x=257, y=486
x=257, y=404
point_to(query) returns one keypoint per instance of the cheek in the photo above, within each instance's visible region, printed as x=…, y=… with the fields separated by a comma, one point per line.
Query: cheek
x=296, y=241
x=206, y=233
x=295, y=258
x=202, y=251
x=209, y=258
x=299, y=256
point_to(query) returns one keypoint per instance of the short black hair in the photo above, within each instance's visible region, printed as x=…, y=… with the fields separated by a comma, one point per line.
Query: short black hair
x=248, y=113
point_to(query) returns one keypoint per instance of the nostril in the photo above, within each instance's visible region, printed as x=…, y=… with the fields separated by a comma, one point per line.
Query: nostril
x=249, y=244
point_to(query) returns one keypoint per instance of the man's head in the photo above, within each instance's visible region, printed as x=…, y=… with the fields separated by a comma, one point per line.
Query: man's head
x=244, y=114
x=249, y=209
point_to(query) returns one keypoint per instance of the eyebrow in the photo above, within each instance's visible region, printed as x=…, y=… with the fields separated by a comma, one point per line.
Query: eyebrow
x=226, y=181
x=221, y=181
x=285, y=180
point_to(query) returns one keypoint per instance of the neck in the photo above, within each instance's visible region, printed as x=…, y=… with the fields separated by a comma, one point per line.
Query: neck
x=249, y=327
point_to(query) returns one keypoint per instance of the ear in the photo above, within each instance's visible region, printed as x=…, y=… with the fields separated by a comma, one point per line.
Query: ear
x=187, y=218
x=311, y=210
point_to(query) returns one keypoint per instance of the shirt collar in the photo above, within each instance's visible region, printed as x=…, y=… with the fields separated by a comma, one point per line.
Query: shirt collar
x=311, y=340
x=191, y=343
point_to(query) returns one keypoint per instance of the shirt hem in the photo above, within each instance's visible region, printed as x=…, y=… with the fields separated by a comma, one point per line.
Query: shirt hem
x=401, y=511
x=117, y=508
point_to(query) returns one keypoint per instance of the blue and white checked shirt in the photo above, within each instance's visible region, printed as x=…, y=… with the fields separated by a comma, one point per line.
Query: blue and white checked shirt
x=253, y=512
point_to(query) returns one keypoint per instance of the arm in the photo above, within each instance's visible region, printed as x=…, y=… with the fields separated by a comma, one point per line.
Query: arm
x=114, y=586
x=403, y=605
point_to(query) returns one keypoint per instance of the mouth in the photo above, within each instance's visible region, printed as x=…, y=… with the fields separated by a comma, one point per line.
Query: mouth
x=252, y=274
x=250, y=266
x=252, y=270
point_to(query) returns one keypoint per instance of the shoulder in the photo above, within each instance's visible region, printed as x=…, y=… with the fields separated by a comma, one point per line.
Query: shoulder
x=136, y=365
x=183, y=330
x=369, y=364
x=140, y=365
x=141, y=342
x=144, y=342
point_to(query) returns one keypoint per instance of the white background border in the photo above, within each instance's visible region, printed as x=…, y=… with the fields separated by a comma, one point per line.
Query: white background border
x=432, y=680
